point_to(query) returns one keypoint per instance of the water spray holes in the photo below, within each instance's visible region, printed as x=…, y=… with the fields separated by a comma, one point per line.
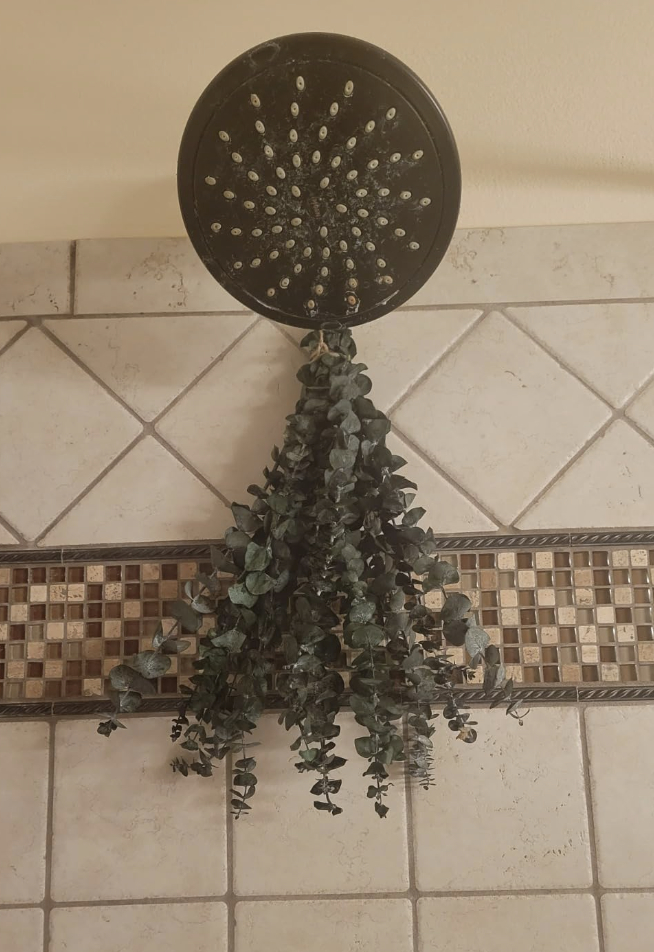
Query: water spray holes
x=273, y=254
x=352, y=300
x=237, y=157
x=356, y=231
x=395, y=157
x=277, y=229
x=324, y=182
x=324, y=272
x=418, y=154
x=311, y=304
x=256, y=233
x=319, y=289
x=353, y=283
x=252, y=175
x=362, y=212
x=405, y=195
x=349, y=88
x=414, y=246
x=236, y=232
x=315, y=158
x=216, y=226
x=254, y=99
x=382, y=221
x=342, y=245
x=293, y=135
x=295, y=109
x=349, y=264
x=391, y=113
x=259, y=126
x=400, y=232
x=238, y=265
x=383, y=192
x=299, y=82
x=297, y=268
x=290, y=243
x=351, y=142
x=223, y=135
x=210, y=180
x=371, y=246
x=361, y=192
x=296, y=221
x=326, y=252
x=336, y=161
x=322, y=134
x=229, y=195
x=255, y=262
x=268, y=151
x=370, y=125
x=307, y=252
x=295, y=191
x=351, y=175
x=297, y=161
x=381, y=263
x=269, y=210
x=333, y=109
x=323, y=231
x=373, y=164
x=271, y=189
x=341, y=208
x=284, y=283
x=270, y=292
x=425, y=201
x=249, y=205
x=280, y=173
x=385, y=279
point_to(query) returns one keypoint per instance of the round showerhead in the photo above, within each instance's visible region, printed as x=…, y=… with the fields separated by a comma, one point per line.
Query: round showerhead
x=319, y=180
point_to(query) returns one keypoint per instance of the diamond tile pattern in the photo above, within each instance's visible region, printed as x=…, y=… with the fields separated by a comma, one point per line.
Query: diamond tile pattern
x=495, y=413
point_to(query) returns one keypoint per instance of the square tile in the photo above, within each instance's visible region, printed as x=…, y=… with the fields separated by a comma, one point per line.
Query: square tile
x=34, y=278
x=21, y=930
x=508, y=923
x=354, y=847
x=117, y=799
x=515, y=807
x=23, y=794
x=383, y=925
x=68, y=418
x=201, y=926
x=628, y=922
x=505, y=437
x=622, y=778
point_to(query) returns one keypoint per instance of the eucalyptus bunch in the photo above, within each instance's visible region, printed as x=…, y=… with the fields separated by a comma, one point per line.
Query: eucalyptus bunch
x=326, y=610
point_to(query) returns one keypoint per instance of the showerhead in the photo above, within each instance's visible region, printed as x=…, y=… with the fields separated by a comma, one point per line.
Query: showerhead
x=319, y=180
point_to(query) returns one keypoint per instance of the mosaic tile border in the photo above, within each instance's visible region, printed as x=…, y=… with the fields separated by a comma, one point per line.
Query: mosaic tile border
x=574, y=621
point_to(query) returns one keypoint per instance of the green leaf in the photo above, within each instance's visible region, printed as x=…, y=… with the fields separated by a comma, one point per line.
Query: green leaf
x=130, y=701
x=413, y=516
x=257, y=558
x=151, y=664
x=363, y=610
x=235, y=539
x=365, y=746
x=455, y=607
x=367, y=636
x=376, y=430
x=124, y=678
x=308, y=756
x=278, y=504
x=245, y=519
x=175, y=645
x=442, y=573
x=455, y=632
x=492, y=655
x=185, y=615
x=239, y=595
x=202, y=605
x=232, y=640
x=476, y=640
x=381, y=810
x=342, y=459
x=258, y=583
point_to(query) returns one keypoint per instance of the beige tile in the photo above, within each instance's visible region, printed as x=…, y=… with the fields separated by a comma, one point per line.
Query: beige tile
x=148, y=497
x=555, y=263
x=9, y=329
x=38, y=593
x=73, y=425
x=23, y=794
x=254, y=387
x=507, y=435
x=34, y=278
x=622, y=776
x=114, y=800
x=515, y=807
x=201, y=926
x=611, y=484
x=403, y=345
x=639, y=558
x=354, y=847
x=628, y=922
x=501, y=923
x=447, y=510
x=587, y=338
x=383, y=925
x=149, y=360
x=21, y=930
x=95, y=573
x=145, y=275
x=7, y=538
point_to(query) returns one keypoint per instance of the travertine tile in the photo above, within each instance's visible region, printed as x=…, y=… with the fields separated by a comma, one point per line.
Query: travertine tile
x=8, y=330
x=117, y=797
x=58, y=430
x=611, y=484
x=622, y=778
x=145, y=275
x=555, y=263
x=23, y=795
x=148, y=497
x=201, y=926
x=34, y=278
x=642, y=410
x=354, y=847
x=6, y=537
x=21, y=930
x=589, y=338
x=403, y=345
x=447, y=509
x=382, y=925
x=149, y=360
x=227, y=424
x=495, y=413
x=500, y=923
x=511, y=808
x=628, y=922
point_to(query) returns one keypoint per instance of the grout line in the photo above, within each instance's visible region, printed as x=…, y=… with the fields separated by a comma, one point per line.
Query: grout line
x=47, y=891
x=8, y=526
x=449, y=479
x=17, y=336
x=411, y=854
x=592, y=833
x=94, y=482
x=230, y=897
x=467, y=331
x=190, y=467
x=72, y=278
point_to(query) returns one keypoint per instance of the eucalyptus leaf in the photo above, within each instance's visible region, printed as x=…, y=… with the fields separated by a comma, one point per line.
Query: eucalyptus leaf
x=240, y=595
x=258, y=583
x=185, y=615
x=257, y=557
x=245, y=520
x=476, y=640
x=455, y=607
x=151, y=664
x=125, y=678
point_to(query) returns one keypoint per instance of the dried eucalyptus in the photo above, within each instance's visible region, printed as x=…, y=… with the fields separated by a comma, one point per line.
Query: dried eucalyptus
x=330, y=578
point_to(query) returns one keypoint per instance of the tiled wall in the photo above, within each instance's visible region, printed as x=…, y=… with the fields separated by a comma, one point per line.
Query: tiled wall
x=138, y=398
x=536, y=838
